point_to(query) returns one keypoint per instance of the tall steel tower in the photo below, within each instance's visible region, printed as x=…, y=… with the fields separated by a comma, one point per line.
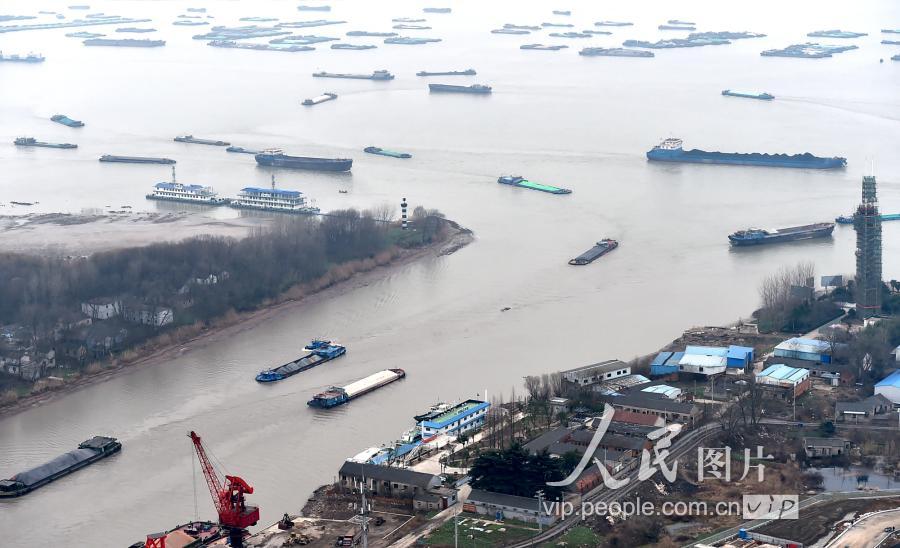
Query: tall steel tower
x=867, y=223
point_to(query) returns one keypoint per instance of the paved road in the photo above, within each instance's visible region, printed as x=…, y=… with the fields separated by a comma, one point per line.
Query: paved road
x=869, y=532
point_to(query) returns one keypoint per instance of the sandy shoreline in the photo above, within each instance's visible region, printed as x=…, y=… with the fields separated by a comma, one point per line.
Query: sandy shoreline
x=459, y=238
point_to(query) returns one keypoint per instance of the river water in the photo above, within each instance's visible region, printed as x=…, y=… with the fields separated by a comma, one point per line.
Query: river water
x=556, y=117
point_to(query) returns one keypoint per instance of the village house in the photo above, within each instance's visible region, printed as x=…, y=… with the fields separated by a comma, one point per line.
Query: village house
x=859, y=411
x=825, y=447
x=387, y=481
x=499, y=507
x=102, y=308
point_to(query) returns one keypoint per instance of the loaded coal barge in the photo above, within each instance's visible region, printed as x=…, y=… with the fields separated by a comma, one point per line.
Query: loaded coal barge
x=603, y=247
x=319, y=353
x=88, y=452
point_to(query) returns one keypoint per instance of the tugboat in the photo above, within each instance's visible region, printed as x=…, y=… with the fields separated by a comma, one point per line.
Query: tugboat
x=602, y=247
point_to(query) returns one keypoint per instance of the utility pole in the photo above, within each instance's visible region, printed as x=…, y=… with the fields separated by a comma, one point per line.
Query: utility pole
x=456, y=530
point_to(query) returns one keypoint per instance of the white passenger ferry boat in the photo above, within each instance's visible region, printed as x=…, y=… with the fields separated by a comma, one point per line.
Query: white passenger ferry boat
x=273, y=199
x=177, y=192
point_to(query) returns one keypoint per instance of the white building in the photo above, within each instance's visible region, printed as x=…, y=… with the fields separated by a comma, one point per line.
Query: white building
x=101, y=309
x=148, y=315
x=597, y=373
x=889, y=387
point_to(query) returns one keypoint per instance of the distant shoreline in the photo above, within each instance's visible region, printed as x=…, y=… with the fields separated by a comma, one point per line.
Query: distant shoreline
x=364, y=273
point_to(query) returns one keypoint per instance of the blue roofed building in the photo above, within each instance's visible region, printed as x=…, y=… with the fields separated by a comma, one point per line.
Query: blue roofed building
x=739, y=356
x=665, y=363
x=804, y=349
x=459, y=418
x=889, y=387
x=783, y=381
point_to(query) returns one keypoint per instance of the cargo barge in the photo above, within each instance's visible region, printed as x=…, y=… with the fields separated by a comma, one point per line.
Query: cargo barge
x=373, y=34
x=542, y=47
x=377, y=75
x=88, y=452
x=16, y=58
x=66, y=121
x=32, y=142
x=474, y=88
x=521, y=182
x=670, y=150
x=318, y=356
x=355, y=47
x=602, y=247
x=613, y=24
x=757, y=236
x=467, y=72
x=510, y=31
x=135, y=159
x=437, y=10
x=408, y=41
x=337, y=395
x=748, y=95
x=197, y=141
x=386, y=152
x=325, y=97
x=314, y=8
x=242, y=150
x=848, y=219
x=127, y=43
x=277, y=158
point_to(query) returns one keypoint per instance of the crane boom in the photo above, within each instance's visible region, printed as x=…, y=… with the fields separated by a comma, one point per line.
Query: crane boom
x=234, y=513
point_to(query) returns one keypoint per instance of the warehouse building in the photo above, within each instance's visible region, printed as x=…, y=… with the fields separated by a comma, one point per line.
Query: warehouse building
x=782, y=381
x=597, y=373
x=811, y=350
x=889, y=387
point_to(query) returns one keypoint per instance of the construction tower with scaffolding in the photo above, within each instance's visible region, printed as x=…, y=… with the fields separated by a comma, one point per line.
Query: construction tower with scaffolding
x=867, y=223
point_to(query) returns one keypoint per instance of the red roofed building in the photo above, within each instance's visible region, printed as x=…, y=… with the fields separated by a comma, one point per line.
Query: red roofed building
x=630, y=417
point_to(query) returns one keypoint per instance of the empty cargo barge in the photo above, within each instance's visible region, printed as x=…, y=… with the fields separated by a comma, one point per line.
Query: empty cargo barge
x=319, y=354
x=337, y=395
x=603, y=247
x=88, y=452
x=521, y=182
x=135, y=159
x=197, y=141
x=386, y=152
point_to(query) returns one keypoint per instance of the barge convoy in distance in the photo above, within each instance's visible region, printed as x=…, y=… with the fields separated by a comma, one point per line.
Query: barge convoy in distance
x=276, y=158
x=602, y=247
x=319, y=352
x=670, y=150
x=88, y=452
x=758, y=236
x=521, y=182
x=337, y=395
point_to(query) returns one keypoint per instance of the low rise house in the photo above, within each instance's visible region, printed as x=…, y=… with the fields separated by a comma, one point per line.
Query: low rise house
x=597, y=373
x=889, y=387
x=156, y=316
x=656, y=405
x=825, y=447
x=500, y=506
x=439, y=498
x=102, y=308
x=642, y=419
x=559, y=405
x=783, y=382
x=858, y=411
x=387, y=481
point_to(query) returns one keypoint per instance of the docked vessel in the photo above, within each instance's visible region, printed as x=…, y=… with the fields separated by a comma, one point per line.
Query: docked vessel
x=66, y=121
x=542, y=47
x=276, y=158
x=312, y=359
x=128, y=43
x=602, y=247
x=614, y=52
x=273, y=199
x=467, y=72
x=173, y=191
x=320, y=99
x=521, y=182
x=337, y=395
x=197, y=141
x=670, y=150
x=32, y=142
x=135, y=159
x=16, y=58
x=386, y=152
x=88, y=452
x=757, y=236
x=848, y=219
x=474, y=88
x=242, y=150
x=749, y=95
x=377, y=75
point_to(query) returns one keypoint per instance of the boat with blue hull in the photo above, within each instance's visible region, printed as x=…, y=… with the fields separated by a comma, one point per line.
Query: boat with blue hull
x=748, y=94
x=758, y=236
x=66, y=121
x=600, y=249
x=318, y=356
x=848, y=219
x=670, y=150
x=338, y=395
x=522, y=182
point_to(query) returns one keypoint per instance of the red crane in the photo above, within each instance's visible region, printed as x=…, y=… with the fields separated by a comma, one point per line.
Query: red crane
x=234, y=513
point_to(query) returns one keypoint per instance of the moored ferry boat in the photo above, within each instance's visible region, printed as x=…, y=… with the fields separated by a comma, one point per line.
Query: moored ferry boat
x=174, y=191
x=273, y=199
